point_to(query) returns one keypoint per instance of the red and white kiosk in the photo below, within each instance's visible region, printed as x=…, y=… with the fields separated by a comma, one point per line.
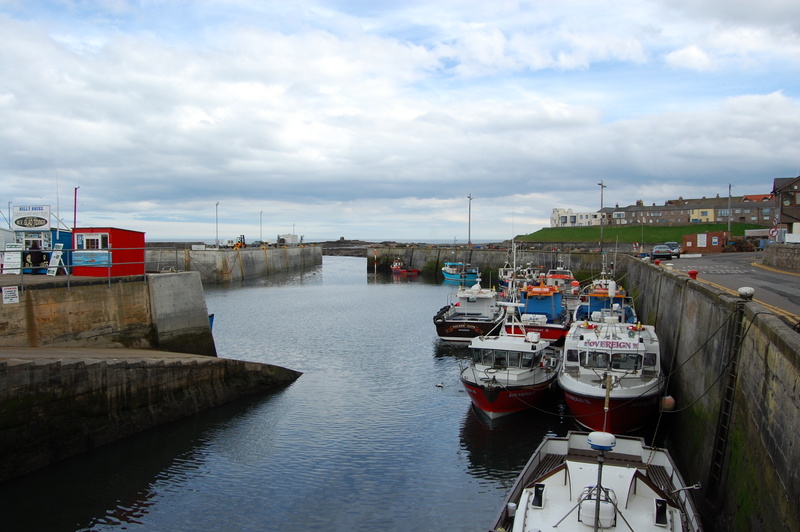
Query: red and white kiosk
x=107, y=252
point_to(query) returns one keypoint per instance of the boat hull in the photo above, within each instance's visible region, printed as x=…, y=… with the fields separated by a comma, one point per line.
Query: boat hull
x=552, y=333
x=624, y=414
x=496, y=402
x=464, y=331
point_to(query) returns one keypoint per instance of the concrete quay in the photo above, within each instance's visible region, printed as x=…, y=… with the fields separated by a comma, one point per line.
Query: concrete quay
x=57, y=402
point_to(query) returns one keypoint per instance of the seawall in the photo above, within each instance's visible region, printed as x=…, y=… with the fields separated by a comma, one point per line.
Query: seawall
x=227, y=265
x=430, y=259
x=59, y=402
x=735, y=374
x=154, y=311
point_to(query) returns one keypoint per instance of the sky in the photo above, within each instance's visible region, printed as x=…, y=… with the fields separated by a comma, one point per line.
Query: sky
x=423, y=121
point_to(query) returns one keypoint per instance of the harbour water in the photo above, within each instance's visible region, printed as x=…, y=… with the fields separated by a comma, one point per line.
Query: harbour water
x=377, y=434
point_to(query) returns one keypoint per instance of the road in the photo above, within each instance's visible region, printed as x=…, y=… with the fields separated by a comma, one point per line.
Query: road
x=777, y=290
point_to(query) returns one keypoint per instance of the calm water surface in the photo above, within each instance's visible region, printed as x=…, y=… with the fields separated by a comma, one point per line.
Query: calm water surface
x=363, y=440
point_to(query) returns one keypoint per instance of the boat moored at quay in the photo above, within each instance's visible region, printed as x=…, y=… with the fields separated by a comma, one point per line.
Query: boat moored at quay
x=508, y=372
x=591, y=481
x=459, y=271
x=611, y=376
x=475, y=312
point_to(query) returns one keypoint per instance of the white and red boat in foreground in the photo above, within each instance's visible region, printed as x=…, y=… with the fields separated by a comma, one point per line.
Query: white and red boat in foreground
x=599, y=481
x=509, y=372
x=611, y=376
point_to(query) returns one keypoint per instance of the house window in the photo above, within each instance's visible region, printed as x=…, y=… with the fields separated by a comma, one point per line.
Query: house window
x=94, y=241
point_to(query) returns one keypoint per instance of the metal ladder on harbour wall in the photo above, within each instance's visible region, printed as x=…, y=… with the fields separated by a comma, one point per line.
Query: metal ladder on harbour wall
x=726, y=405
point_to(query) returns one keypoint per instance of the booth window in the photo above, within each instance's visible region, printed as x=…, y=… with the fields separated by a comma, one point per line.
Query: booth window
x=95, y=241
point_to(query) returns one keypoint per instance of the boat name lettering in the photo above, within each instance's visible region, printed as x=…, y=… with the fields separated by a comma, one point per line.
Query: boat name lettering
x=577, y=399
x=610, y=344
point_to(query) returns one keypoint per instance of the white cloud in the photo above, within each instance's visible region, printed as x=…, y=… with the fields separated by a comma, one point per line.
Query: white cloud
x=375, y=121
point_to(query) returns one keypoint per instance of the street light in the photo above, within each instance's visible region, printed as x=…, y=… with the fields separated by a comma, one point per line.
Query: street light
x=261, y=226
x=469, y=222
x=216, y=215
x=602, y=216
x=75, y=210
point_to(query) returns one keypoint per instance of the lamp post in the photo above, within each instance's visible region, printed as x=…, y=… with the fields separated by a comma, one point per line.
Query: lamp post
x=216, y=217
x=469, y=222
x=729, y=210
x=75, y=209
x=602, y=216
x=261, y=226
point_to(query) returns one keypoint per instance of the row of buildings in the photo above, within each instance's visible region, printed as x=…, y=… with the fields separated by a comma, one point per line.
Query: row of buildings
x=779, y=209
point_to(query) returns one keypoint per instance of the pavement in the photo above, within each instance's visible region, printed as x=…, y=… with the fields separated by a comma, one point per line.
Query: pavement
x=777, y=290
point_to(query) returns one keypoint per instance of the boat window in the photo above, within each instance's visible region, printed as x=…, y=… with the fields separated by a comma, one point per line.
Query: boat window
x=594, y=359
x=649, y=359
x=513, y=359
x=500, y=359
x=625, y=361
x=479, y=354
x=572, y=355
x=527, y=359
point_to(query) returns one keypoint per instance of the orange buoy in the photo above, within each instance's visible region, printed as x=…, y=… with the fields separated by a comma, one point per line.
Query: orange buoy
x=667, y=403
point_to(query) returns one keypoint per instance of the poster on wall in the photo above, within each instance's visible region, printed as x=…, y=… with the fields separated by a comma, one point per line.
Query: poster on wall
x=10, y=294
x=12, y=260
x=31, y=218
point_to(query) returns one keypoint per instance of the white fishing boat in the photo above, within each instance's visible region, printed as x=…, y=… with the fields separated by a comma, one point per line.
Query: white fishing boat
x=593, y=481
x=611, y=376
x=475, y=312
x=509, y=372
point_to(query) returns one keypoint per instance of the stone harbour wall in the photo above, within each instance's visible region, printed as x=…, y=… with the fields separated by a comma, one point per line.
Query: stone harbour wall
x=57, y=403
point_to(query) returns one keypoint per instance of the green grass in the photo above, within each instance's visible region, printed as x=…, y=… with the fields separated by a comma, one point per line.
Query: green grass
x=631, y=233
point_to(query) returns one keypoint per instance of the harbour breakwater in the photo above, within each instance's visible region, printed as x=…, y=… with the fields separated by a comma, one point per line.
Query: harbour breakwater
x=733, y=368
x=59, y=402
x=86, y=361
x=226, y=265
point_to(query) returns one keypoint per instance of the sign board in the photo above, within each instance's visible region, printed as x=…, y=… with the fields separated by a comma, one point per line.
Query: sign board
x=31, y=218
x=10, y=294
x=12, y=261
x=55, y=260
x=715, y=241
x=91, y=258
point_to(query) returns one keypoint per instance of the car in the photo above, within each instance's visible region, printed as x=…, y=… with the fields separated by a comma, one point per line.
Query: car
x=661, y=251
x=675, y=247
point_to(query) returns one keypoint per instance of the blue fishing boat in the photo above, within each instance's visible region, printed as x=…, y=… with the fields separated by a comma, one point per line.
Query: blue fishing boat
x=458, y=271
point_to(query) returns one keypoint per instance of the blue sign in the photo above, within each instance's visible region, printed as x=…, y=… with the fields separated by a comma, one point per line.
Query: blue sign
x=91, y=258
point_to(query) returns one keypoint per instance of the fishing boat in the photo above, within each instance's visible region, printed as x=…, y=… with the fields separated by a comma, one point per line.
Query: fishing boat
x=602, y=297
x=543, y=309
x=591, y=481
x=562, y=278
x=509, y=373
x=459, y=271
x=398, y=268
x=611, y=376
x=473, y=311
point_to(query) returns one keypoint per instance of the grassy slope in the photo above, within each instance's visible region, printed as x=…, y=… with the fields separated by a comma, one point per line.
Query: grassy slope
x=632, y=233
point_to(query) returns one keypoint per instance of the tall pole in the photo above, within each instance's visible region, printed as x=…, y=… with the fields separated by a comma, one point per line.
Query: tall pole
x=602, y=216
x=75, y=209
x=729, y=210
x=469, y=224
x=216, y=218
x=261, y=226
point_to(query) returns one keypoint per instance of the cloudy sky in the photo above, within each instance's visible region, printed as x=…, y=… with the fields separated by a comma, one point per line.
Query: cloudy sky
x=375, y=119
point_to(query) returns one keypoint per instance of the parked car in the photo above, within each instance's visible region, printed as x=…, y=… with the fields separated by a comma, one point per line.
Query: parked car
x=675, y=247
x=661, y=251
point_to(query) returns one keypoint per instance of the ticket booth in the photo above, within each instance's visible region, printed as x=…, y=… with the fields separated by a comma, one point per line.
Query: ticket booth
x=107, y=252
